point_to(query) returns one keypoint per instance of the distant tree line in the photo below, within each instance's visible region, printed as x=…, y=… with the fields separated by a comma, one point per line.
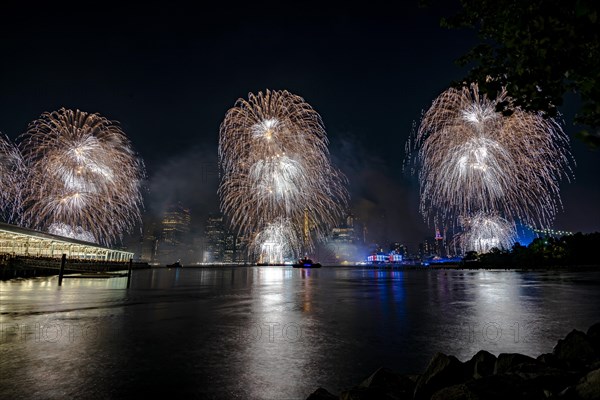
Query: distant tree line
x=572, y=250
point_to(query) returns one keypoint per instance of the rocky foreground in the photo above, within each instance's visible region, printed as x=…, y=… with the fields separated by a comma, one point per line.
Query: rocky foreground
x=571, y=371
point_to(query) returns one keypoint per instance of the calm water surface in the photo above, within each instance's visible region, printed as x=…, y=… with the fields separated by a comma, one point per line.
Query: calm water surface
x=270, y=332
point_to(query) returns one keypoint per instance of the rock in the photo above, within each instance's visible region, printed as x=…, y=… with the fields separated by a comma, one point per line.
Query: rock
x=494, y=387
x=550, y=360
x=361, y=393
x=382, y=384
x=547, y=378
x=576, y=349
x=385, y=377
x=588, y=387
x=568, y=393
x=593, y=332
x=497, y=387
x=594, y=365
x=593, y=335
x=442, y=371
x=358, y=394
x=455, y=392
x=527, y=367
x=507, y=361
x=321, y=394
x=480, y=365
x=389, y=380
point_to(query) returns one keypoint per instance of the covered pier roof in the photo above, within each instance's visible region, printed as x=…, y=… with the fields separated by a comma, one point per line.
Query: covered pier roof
x=19, y=241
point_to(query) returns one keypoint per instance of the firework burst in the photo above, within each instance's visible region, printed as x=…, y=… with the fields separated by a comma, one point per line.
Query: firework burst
x=483, y=232
x=277, y=241
x=11, y=170
x=473, y=160
x=83, y=177
x=276, y=172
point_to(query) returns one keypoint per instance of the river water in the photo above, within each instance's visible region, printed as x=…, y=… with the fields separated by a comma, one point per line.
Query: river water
x=270, y=332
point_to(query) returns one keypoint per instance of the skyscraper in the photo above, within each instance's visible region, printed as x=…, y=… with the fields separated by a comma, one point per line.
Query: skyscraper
x=174, y=234
x=150, y=237
x=214, y=232
x=440, y=246
x=221, y=244
x=344, y=242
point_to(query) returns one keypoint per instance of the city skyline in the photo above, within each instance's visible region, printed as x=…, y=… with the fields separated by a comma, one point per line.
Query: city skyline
x=368, y=80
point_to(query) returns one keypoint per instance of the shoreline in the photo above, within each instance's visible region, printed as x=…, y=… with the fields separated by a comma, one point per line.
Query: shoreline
x=33, y=267
x=571, y=371
x=8, y=272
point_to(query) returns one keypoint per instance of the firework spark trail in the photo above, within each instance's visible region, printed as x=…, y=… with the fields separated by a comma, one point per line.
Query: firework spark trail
x=11, y=168
x=482, y=232
x=275, y=165
x=83, y=177
x=474, y=159
x=277, y=240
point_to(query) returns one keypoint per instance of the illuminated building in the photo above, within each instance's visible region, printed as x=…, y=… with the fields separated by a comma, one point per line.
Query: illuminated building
x=440, y=246
x=175, y=225
x=344, y=242
x=221, y=244
x=398, y=248
x=426, y=249
x=214, y=232
x=150, y=242
x=229, y=248
x=381, y=258
x=174, y=234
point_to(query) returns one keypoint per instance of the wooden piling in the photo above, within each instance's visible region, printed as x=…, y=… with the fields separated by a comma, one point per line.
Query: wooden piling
x=129, y=272
x=63, y=261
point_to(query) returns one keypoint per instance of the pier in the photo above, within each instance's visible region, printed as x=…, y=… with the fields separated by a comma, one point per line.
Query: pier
x=26, y=252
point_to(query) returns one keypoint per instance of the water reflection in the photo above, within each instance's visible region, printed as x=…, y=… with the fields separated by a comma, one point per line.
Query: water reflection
x=270, y=332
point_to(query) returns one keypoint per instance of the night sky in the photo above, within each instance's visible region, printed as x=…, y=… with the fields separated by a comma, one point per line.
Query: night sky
x=169, y=75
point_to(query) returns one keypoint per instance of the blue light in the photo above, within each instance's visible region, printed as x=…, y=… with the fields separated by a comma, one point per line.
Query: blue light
x=525, y=235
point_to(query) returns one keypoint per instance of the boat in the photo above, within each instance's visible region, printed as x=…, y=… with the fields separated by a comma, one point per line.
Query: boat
x=174, y=265
x=306, y=263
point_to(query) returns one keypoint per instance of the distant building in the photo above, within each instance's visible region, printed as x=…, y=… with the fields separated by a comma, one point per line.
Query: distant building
x=221, y=244
x=426, y=249
x=176, y=225
x=383, y=258
x=344, y=242
x=174, y=240
x=150, y=242
x=440, y=244
x=398, y=248
x=229, y=248
x=214, y=233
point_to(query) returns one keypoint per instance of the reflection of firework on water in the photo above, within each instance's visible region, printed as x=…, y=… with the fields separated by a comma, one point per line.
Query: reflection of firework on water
x=483, y=232
x=11, y=168
x=83, y=176
x=474, y=159
x=275, y=163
